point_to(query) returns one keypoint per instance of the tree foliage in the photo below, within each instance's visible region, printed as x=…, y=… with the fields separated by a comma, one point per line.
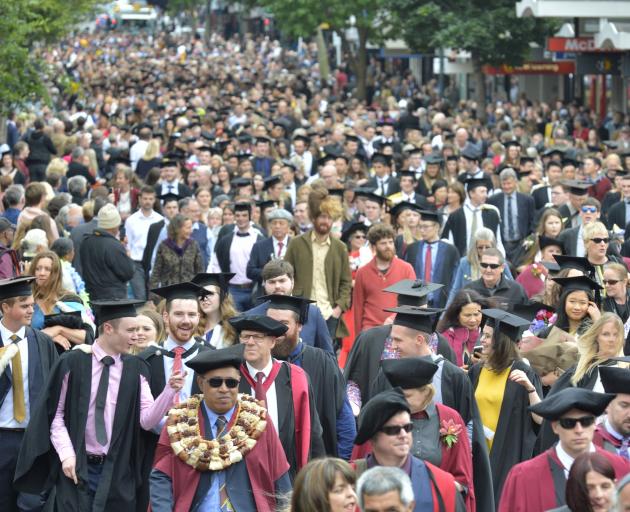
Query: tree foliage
x=24, y=24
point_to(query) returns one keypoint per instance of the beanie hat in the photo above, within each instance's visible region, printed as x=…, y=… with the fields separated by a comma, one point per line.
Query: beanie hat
x=108, y=217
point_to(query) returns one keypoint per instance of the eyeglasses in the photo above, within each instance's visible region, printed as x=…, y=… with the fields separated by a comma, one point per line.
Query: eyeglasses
x=570, y=423
x=493, y=266
x=600, y=240
x=611, y=282
x=256, y=338
x=394, y=430
x=217, y=382
x=589, y=209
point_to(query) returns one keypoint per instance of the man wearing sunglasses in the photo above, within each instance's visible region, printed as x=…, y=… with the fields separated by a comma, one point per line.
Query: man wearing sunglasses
x=572, y=413
x=494, y=284
x=247, y=485
x=572, y=238
x=385, y=422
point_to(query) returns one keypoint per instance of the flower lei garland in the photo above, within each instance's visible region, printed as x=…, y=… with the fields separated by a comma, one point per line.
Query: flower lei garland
x=449, y=432
x=202, y=454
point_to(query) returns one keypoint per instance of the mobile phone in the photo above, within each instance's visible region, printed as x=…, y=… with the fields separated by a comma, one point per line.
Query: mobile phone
x=477, y=349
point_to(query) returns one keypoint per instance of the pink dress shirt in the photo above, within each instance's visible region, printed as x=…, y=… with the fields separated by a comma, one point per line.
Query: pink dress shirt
x=151, y=411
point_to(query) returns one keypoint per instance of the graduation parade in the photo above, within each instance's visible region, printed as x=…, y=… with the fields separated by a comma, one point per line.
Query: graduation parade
x=227, y=284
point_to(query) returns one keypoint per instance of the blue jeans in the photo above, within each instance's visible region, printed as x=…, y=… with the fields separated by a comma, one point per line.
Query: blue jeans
x=242, y=298
x=94, y=477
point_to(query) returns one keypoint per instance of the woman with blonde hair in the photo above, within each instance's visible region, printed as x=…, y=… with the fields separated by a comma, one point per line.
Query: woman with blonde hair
x=596, y=243
x=58, y=166
x=150, y=159
x=324, y=485
x=216, y=307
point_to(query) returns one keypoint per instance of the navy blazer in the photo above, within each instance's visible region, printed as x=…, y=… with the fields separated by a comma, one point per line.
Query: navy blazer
x=524, y=206
x=314, y=332
x=262, y=253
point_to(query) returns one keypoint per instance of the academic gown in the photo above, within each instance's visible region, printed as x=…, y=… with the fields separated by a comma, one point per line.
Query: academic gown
x=39, y=467
x=154, y=357
x=328, y=390
x=516, y=432
x=546, y=437
x=605, y=440
x=364, y=360
x=457, y=393
x=299, y=428
x=539, y=484
x=251, y=485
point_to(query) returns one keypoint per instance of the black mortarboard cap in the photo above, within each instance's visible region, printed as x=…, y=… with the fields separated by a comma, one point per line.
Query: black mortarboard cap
x=220, y=279
x=413, y=292
x=577, y=188
x=258, y=323
x=107, y=310
x=398, y=208
x=363, y=191
x=263, y=138
x=299, y=305
x=242, y=206
x=570, y=161
x=337, y=192
x=470, y=153
x=352, y=229
x=528, y=311
x=266, y=203
x=185, y=290
x=169, y=196
x=407, y=174
x=578, y=283
x=433, y=216
x=169, y=161
x=420, y=319
x=241, y=182
x=433, y=159
x=270, y=181
x=378, y=411
x=472, y=183
x=17, y=287
x=615, y=379
x=575, y=262
x=352, y=137
x=510, y=143
x=382, y=158
x=303, y=138
x=510, y=325
x=554, y=406
x=546, y=241
x=553, y=151
x=371, y=196
x=551, y=266
x=213, y=359
x=409, y=372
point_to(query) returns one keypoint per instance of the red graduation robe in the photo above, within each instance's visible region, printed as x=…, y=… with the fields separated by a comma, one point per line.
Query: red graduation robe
x=530, y=487
x=266, y=463
x=606, y=440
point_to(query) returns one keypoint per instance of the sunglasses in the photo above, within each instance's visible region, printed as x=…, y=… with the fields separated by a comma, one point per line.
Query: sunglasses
x=394, y=430
x=611, y=282
x=570, y=423
x=493, y=266
x=600, y=240
x=217, y=382
x=589, y=209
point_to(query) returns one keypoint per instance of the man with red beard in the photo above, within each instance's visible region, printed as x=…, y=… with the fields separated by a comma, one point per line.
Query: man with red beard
x=384, y=270
x=322, y=267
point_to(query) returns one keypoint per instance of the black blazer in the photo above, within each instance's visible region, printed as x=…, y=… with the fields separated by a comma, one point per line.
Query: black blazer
x=617, y=215
x=569, y=238
x=392, y=186
x=222, y=250
x=152, y=238
x=456, y=225
x=525, y=207
x=542, y=196
x=183, y=190
x=262, y=253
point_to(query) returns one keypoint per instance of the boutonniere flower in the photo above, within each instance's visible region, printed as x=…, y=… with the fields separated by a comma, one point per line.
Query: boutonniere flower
x=528, y=243
x=449, y=432
x=537, y=270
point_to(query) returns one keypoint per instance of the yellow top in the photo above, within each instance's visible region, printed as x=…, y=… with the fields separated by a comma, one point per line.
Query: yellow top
x=319, y=291
x=489, y=396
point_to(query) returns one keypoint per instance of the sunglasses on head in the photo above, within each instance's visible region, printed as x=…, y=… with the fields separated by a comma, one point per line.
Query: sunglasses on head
x=493, y=266
x=570, y=423
x=217, y=382
x=600, y=240
x=589, y=209
x=394, y=430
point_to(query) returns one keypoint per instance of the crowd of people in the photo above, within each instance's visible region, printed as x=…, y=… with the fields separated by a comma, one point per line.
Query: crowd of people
x=229, y=285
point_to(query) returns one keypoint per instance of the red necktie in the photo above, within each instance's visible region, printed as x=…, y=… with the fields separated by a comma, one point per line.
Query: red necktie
x=259, y=389
x=280, y=246
x=177, y=365
x=428, y=263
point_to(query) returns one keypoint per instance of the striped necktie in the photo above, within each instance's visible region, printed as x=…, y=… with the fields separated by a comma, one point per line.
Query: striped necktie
x=224, y=500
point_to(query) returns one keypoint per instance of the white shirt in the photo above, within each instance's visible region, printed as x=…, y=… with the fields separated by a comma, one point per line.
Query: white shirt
x=169, y=188
x=169, y=345
x=6, y=409
x=565, y=459
x=579, y=247
x=136, y=152
x=271, y=395
x=137, y=230
x=240, y=251
x=285, y=242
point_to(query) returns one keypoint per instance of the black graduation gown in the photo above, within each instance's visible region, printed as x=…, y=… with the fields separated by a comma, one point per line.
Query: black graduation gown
x=154, y=357
x=364, y=361
x=328, y=389
x=39, y=467
x=516, y=432
x=286, y=418
x=457, y=393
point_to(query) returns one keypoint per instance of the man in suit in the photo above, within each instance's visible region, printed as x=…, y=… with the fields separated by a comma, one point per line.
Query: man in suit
x=270, y=248
x=262, y=162
x=572, y=238
x=578, y=192
x=408, y=183
x=434, y=260
x=26, y=357
x=322, y=268
x=383, y=183
x=463, y=223
x=470, y=157
x=232, y=253
x=619, y=214
x=516, y=211
x=542, y=192
x=79, y=232
x=170, y=182
x=373, y=208
x=157, y=231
